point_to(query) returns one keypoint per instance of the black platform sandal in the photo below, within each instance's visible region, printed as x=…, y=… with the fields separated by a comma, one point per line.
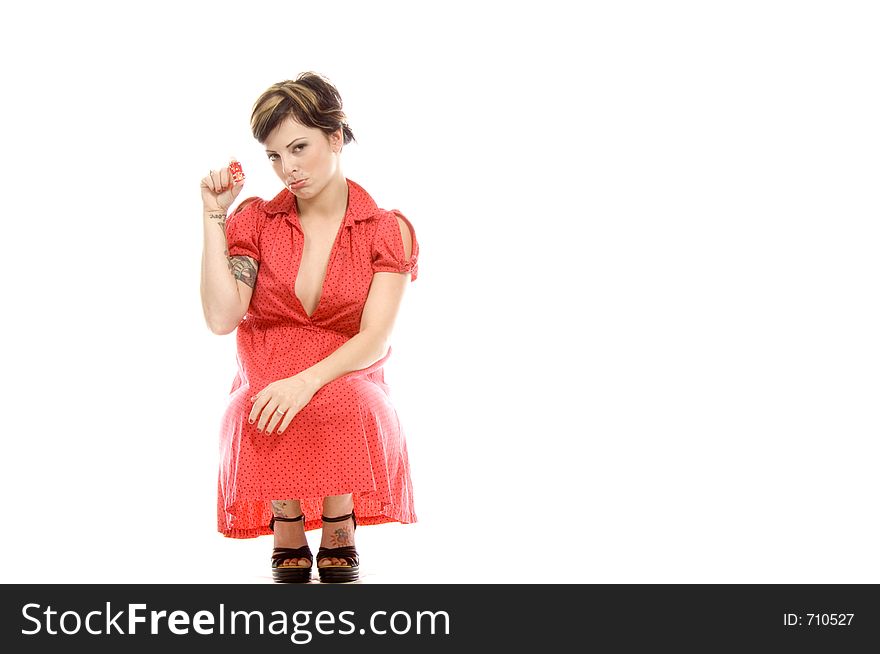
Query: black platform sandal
x=339, y=573
x=290, y=574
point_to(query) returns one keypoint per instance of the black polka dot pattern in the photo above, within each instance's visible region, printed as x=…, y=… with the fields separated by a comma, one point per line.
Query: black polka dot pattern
x=348, y=438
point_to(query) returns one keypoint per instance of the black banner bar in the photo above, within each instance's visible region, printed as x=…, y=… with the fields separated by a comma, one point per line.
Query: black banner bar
x=419, y=617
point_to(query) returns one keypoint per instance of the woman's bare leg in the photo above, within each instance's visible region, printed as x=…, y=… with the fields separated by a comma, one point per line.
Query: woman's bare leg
x=337, y=534
x=289, y=534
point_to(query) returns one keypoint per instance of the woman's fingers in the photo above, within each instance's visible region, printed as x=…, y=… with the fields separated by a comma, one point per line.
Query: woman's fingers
x=272, y=419
x=223, y=181
x=288, y=416
x=264, y=413
x=256, y=410
x=280, y=420
x=265, y=417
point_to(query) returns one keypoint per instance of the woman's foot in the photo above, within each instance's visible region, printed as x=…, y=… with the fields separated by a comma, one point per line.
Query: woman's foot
x=289, y=534
x=336, y=534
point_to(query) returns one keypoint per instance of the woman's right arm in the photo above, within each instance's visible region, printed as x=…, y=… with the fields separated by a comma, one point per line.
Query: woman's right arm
x=227, y=282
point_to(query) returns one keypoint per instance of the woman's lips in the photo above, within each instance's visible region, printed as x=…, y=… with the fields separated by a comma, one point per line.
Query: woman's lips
x=298, y=185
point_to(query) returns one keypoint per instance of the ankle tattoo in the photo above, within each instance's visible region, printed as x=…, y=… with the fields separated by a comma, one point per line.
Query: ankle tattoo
x=341, y=537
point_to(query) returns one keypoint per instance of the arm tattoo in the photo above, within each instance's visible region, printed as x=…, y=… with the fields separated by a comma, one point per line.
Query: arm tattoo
x=243, y=268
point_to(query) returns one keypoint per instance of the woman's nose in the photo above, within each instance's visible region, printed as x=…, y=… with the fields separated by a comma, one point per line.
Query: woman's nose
x=286, y=167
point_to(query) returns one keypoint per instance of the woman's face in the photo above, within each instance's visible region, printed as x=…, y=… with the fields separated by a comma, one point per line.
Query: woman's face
x=303, y=157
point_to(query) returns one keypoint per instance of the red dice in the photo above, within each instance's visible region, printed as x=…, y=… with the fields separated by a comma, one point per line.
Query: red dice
x=236, y=171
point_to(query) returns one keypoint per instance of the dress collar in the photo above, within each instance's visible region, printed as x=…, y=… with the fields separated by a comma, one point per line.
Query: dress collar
x=361, y=205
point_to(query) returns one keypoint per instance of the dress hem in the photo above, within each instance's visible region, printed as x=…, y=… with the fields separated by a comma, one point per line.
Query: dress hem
x=313, y=524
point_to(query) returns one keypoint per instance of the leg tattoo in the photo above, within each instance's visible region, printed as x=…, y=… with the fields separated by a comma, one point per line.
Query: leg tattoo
x=284, y=509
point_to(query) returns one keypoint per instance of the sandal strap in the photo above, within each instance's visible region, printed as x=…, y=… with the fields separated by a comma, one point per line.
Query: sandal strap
x=341, y=518
x=347, y=552
x=281, y=553
x=284, y=519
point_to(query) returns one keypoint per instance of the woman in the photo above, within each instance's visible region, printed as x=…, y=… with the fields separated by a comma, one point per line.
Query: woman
x=313, y=280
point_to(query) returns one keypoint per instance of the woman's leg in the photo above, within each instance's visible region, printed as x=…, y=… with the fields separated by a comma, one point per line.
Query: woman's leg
x=337, y=534
x=289, y=534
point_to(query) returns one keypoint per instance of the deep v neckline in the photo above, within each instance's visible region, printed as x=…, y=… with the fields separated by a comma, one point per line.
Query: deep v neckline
x=327, y=267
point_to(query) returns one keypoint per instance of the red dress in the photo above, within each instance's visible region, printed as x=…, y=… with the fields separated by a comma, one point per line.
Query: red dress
x=348, y=438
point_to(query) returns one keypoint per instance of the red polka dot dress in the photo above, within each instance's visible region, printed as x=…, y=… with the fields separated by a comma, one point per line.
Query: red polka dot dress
x=348, y=438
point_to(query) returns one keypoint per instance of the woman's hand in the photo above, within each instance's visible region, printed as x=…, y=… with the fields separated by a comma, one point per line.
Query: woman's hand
x=289, y=395
x=219, y=190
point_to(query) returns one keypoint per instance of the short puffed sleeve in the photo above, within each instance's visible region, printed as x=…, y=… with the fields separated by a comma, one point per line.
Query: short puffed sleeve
x=243, y=228
x=388, y=252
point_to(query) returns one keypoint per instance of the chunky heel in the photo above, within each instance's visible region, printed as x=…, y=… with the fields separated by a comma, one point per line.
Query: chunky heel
x=339, y=573
x=288, y=574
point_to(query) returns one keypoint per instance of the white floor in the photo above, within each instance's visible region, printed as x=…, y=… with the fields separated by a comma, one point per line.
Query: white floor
x=389, y=553
x=382, y=559
x=628, y=543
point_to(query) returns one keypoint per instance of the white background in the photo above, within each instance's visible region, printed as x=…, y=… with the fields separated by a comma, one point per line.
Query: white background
x=643, y=344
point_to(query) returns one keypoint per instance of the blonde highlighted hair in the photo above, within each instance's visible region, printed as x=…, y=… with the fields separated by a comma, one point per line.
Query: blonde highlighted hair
x=310, y=99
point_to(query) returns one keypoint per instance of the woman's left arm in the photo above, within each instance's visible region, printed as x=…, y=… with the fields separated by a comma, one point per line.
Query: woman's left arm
x=360, y=351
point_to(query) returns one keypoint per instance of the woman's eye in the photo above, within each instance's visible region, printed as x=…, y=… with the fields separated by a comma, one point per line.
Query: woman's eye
x=294, y=148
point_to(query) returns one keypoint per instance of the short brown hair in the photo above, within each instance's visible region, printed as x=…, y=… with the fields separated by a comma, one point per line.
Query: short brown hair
x=312, y=101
